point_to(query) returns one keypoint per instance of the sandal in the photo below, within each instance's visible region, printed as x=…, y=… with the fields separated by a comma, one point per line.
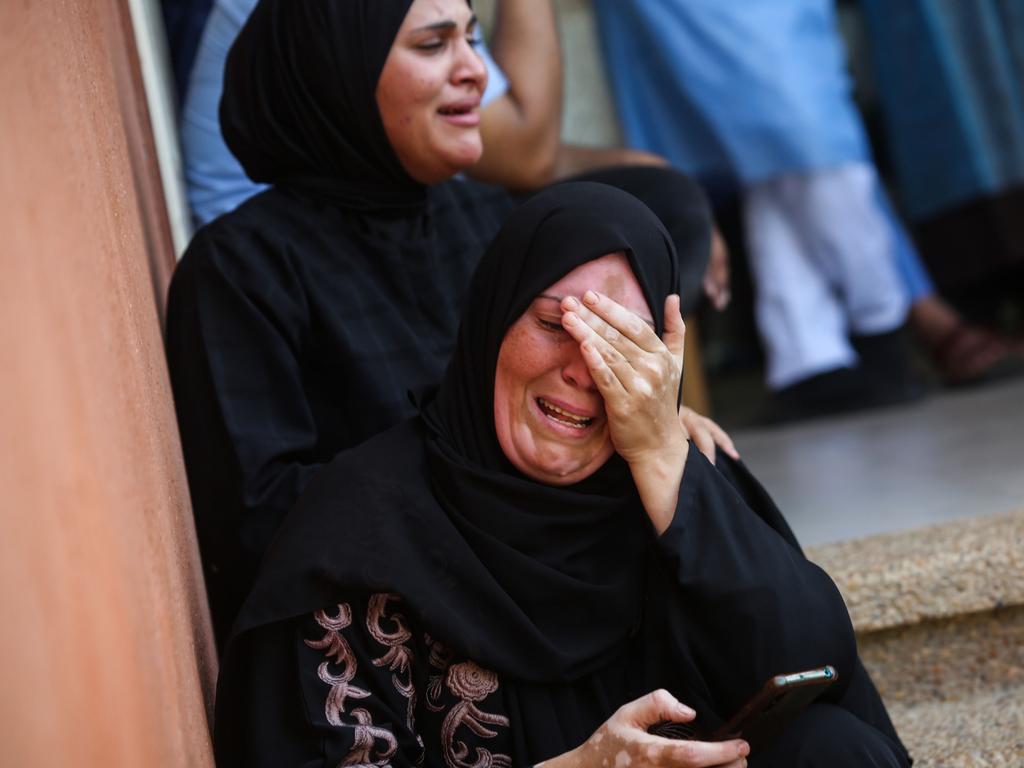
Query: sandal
x=971, y=355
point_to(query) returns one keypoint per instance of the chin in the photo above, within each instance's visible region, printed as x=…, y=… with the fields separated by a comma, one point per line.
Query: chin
x=561, y=473
x=463, y=155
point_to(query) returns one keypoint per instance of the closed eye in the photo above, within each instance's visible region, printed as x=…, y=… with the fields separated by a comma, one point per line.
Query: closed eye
x=550, y=325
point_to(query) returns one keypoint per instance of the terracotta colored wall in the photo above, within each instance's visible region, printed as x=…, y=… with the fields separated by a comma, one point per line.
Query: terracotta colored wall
x=105, y=648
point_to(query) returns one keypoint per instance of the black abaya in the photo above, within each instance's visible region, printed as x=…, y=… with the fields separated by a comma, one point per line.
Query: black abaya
x=515, y=617
x=296, y=330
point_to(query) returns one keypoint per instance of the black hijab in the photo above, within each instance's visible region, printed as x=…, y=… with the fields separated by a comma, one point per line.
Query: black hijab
x=554, y=232
x=557, y=572
x=299, y=105
x=568, y=559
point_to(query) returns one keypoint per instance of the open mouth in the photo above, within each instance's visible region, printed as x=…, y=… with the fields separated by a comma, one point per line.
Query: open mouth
x=455, y=111
x=563, y=416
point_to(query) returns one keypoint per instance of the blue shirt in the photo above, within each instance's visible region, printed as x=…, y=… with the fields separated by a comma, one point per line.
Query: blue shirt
x=747, y=89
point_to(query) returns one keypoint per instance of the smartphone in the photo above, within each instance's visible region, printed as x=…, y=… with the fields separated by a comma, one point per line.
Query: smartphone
x=764, y=717
x=781, y=699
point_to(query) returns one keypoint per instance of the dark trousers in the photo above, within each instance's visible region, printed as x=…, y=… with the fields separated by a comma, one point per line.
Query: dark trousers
x=827, y=736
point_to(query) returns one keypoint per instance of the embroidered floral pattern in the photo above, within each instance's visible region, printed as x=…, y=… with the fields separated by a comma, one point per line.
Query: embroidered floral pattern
x=365, y=740
x=440, y=659
x=472, y=684
x=399, y=657
x=339, y=652
x=455, y=691
x=469, y=681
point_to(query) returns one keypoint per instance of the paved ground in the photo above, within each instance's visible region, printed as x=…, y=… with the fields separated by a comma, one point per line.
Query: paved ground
x=955, y=455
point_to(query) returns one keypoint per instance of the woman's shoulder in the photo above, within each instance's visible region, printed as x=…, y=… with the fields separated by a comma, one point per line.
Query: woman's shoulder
x=357, y=513
x=394, y=457
x=273, y=230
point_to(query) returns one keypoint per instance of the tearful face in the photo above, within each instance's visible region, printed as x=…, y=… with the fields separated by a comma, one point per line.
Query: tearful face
x=548, y=413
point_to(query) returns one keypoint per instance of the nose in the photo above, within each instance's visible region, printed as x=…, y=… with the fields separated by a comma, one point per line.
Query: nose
x=575, y=371
x=469, y=67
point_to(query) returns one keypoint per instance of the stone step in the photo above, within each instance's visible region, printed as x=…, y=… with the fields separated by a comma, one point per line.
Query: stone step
x=949, y=659
x=982, y=729
x=929, y=573
x=939, y=614
x=954, y=687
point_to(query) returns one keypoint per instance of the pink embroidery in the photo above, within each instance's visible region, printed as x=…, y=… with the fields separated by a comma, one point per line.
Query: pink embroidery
x=365, y=738
x=400, y=657
x=337, y=649
x=472, y=684
x=440, y=659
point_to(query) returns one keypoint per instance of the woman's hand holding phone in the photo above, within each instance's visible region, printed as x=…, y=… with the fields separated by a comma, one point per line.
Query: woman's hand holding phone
x=623, y=740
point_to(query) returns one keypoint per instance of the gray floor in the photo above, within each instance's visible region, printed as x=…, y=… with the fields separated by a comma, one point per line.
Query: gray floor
x=955, y=455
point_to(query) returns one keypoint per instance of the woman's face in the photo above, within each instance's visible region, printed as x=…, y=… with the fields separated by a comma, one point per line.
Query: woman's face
x=548, y=413
x=430, y=89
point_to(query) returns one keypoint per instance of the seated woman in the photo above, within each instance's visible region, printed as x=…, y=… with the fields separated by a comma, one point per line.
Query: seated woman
x=537, y=567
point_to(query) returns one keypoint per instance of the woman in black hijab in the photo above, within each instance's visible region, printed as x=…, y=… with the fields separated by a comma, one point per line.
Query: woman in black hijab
x=298, y=323
x=497, y=581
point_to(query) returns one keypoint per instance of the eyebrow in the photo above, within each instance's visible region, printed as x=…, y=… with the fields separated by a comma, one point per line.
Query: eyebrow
x=445, y=26
x=559, y=300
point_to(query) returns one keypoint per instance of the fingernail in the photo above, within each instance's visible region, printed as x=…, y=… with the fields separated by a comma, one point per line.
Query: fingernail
x=685, y=710
x=570, y=302
x=571, y=318
x=744, y=749
x=590, y=297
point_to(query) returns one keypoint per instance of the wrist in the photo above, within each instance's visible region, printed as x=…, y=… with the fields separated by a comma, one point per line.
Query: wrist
x=664, y=458
x=658, y=478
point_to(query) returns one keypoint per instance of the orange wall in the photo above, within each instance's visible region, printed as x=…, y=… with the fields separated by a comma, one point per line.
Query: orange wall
x=105, y=649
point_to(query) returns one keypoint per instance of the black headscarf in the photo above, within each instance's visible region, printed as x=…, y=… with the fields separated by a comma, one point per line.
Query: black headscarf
x=567, y=559
x=554, y=232
x=299, y=105
x=557, y=571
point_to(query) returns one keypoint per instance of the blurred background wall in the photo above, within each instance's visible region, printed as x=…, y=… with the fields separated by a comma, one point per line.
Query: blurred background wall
x=105, y=644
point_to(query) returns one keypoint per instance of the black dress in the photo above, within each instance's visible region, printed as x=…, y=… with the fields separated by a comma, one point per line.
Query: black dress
x=365, y=680
x=426, y=604
x=297, y=329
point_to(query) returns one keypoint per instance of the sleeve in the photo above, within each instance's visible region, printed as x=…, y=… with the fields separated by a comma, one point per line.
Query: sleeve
x=497, y=83
x=753, y=606
x=214, y=178
x=248, y=434
x=334, y=688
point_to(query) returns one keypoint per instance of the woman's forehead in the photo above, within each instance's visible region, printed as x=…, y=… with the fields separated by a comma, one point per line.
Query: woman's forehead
x=610, y=275
x=425, y=13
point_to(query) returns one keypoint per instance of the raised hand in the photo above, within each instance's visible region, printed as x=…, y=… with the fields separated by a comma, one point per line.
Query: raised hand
x=638, y=375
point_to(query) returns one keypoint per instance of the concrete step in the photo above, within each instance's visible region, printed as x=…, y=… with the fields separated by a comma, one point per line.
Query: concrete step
x=954, y=687
x=929, y=573
x=982, y=729
x=939, y=614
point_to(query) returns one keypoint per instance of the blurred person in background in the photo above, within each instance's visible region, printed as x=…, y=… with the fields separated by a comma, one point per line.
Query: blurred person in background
x=183, y=25
x=950, y=86
x=757, y=92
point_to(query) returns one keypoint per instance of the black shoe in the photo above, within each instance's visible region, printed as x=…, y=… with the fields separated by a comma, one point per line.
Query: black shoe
x=825, y=394
x=885, y=359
